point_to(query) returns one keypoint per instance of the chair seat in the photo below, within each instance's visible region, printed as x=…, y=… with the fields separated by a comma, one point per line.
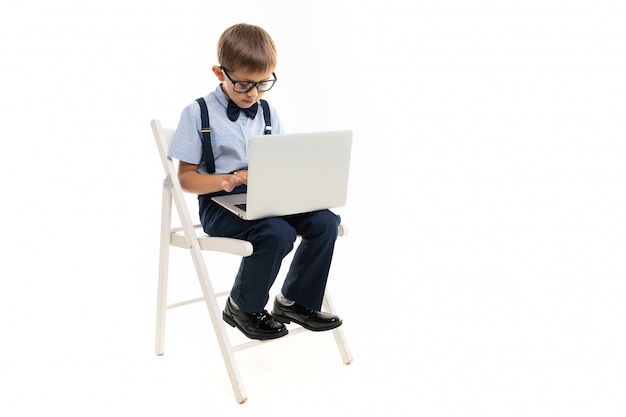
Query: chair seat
x=222, y=244
x=212, y=243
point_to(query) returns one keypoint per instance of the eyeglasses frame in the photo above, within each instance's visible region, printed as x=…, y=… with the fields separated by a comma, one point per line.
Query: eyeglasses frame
x=253, y=84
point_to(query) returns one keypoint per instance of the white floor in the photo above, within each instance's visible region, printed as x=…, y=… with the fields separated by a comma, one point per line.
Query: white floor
x=427, y=339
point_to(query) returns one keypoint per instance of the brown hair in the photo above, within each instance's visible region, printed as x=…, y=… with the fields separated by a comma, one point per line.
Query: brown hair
x=247, y=47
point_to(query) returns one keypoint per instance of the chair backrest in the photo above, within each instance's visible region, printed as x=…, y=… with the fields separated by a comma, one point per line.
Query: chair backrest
x=163, y=138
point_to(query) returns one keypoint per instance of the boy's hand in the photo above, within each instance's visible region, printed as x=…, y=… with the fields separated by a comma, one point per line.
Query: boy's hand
x=234, y=180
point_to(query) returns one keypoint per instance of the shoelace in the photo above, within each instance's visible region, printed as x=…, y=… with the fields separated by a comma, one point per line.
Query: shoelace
x=262, y=316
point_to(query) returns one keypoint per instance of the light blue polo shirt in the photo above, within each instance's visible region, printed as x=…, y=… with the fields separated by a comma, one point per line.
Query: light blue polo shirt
x=229, y=140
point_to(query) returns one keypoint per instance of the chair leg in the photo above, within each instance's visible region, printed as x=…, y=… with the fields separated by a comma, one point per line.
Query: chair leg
x=164, y=254
x=161, y=303
x=218, y=326
x=340, y=339
x=227, y=351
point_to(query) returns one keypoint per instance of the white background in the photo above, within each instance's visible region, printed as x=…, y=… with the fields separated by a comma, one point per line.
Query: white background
x=495, y=288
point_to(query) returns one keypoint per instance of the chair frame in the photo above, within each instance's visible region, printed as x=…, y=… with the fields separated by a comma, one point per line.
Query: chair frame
x=191, y=236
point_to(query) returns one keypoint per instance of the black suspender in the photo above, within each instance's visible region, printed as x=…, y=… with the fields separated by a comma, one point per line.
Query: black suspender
x=206, y=137
x=268, y=119
x=206, y=131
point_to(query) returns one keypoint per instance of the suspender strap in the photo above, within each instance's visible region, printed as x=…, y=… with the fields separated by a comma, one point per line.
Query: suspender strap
x=206, y=131
x=206, y=137
x=268, y=119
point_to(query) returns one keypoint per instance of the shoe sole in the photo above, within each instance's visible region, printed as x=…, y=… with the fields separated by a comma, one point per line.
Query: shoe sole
x=230, y=321
x=287, y=320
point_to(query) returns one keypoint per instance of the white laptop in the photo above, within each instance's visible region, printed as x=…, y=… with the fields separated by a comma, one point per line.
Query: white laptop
x=293, y=173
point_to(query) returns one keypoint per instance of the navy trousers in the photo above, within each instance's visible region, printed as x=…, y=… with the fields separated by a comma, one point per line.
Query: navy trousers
x=272, y=239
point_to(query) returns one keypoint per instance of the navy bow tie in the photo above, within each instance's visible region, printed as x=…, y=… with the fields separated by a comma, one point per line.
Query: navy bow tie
x=233, y=110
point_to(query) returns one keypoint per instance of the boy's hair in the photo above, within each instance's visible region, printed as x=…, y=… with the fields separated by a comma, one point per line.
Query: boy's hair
x=246, y=47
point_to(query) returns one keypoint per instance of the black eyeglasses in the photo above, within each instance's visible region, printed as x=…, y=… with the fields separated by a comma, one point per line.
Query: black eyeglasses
x=245, y=86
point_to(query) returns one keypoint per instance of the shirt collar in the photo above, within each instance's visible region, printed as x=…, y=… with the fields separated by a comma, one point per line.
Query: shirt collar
x=221, y=96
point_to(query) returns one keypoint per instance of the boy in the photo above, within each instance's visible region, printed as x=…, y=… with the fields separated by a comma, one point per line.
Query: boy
x=247, y=59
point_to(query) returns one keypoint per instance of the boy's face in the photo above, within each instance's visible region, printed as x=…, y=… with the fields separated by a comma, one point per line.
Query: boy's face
x=242, y=99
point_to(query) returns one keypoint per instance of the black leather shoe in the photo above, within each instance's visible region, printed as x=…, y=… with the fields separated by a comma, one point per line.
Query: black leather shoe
x=316, y=321
x=260, y=326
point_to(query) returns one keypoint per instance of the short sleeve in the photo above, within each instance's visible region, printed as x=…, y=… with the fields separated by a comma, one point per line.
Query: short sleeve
x=187, y=143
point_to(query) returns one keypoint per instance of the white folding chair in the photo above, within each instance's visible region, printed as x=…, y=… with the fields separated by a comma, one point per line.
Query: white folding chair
x=191, y=236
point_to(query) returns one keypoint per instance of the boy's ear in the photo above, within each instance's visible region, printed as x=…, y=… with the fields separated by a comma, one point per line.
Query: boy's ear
x=218, y=72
